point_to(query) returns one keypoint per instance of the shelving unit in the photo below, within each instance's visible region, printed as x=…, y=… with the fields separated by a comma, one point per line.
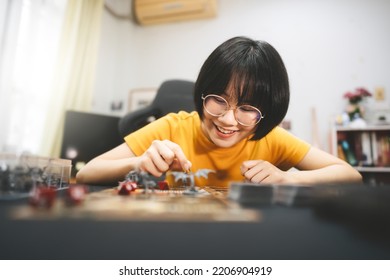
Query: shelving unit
x=367, y=149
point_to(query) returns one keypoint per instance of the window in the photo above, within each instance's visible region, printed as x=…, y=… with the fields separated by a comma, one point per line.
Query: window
x=29, y=38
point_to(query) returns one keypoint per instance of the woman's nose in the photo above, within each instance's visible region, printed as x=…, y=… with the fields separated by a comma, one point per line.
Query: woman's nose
x=228, y=117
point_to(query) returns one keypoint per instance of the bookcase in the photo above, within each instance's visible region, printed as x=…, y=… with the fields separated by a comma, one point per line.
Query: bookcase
x=367, y=149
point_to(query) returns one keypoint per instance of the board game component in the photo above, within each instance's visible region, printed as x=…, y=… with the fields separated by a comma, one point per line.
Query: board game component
x=43, y=196
x=126, y=187
x=20, y=174
x=76, y=194
x=188, y=178
x=142, y=179
x=163, y=185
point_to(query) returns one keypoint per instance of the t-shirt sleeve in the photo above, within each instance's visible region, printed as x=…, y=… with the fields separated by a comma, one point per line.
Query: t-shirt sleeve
x=289, y=150
x=140, y=140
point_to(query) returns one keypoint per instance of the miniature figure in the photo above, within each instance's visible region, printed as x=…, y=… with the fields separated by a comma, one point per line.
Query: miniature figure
x=140, y=178
x=190, y=176
x=147, y=180
x=135, y=179
x=130, y=183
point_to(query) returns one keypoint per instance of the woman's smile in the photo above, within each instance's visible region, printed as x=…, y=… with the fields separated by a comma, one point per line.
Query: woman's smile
x=224, y=135
x=223, y=132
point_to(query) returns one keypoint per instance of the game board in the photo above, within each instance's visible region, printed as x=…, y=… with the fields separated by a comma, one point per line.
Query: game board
x=171, y=205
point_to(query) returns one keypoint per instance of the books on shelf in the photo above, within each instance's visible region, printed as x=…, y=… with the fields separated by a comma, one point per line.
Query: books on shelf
x=348, y=154
x=382, y=147
x=364, y=148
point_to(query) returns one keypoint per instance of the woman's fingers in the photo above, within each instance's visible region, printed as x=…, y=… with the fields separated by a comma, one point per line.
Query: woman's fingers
x=162, y=156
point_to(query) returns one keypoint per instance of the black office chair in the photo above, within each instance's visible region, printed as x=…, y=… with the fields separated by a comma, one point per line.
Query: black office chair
x=172, y=96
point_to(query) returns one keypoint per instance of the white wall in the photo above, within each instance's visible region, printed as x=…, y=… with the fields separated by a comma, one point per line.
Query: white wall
x=329, y=47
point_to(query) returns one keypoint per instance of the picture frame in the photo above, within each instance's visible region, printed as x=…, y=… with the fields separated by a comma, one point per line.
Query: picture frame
x=140, y=98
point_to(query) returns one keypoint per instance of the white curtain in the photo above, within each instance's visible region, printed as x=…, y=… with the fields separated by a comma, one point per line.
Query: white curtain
x=48, y=52
x=74, y=75
x=29, y=37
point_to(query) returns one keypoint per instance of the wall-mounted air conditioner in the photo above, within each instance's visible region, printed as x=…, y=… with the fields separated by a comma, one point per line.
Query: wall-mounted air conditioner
x=148, y=12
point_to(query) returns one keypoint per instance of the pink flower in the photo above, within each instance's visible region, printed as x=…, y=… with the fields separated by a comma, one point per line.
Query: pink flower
x=357, y=96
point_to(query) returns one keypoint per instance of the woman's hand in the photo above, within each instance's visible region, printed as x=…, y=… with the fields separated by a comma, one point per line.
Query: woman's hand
x=162, y=156
x=317, y=167
x=260, y=171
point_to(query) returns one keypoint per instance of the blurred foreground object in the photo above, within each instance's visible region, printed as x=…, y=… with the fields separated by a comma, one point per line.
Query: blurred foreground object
x=20, y=174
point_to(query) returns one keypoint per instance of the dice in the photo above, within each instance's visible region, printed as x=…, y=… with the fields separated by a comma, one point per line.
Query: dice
x=42, y=196
x=163, y=185
x=76, y=194
x=126, y=187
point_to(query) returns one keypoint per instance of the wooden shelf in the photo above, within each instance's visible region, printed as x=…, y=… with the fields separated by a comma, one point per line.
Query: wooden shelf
x=363, y=147
x=368, y=128
x=372, y=169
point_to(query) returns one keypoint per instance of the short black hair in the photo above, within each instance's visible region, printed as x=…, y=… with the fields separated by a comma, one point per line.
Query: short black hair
x=258, y=75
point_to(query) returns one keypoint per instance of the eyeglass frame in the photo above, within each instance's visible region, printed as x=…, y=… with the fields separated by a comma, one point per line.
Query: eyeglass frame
x=230, y=108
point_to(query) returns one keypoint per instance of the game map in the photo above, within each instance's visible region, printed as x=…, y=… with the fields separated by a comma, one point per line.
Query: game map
x=205, y=205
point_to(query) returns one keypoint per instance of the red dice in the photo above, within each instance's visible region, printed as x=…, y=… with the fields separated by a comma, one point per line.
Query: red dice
x=43, y=196
x=163, y=185
x=126, y=187
x=76, y=194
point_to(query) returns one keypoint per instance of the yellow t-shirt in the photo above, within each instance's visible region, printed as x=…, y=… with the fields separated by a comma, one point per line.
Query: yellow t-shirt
x=279, y=147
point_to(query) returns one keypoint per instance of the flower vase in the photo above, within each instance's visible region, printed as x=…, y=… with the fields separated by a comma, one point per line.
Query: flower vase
x=355, y=111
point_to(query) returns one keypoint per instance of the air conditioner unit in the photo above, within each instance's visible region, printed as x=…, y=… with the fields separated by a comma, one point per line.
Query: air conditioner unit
x=147, y=12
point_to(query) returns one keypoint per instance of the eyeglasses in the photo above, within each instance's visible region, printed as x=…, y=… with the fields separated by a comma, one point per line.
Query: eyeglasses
x=245, y=115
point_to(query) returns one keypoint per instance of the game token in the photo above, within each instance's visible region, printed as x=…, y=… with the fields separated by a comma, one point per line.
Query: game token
x=163, y=185
x=126, y=187
x=76, y=194
x=43, y=196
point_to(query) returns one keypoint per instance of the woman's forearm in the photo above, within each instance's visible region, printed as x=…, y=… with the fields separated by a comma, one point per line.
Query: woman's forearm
x=105, y=171
x=108, y=168
x=337, y=173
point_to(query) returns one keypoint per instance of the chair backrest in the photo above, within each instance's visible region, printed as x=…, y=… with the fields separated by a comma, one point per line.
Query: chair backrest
x=174, y=96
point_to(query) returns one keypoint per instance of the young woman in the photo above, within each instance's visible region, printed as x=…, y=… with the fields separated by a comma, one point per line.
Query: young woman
x=241, y=95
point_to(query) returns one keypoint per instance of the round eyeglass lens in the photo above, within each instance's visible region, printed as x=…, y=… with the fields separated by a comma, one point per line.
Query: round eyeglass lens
x=215, y=105
x=247, y=115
